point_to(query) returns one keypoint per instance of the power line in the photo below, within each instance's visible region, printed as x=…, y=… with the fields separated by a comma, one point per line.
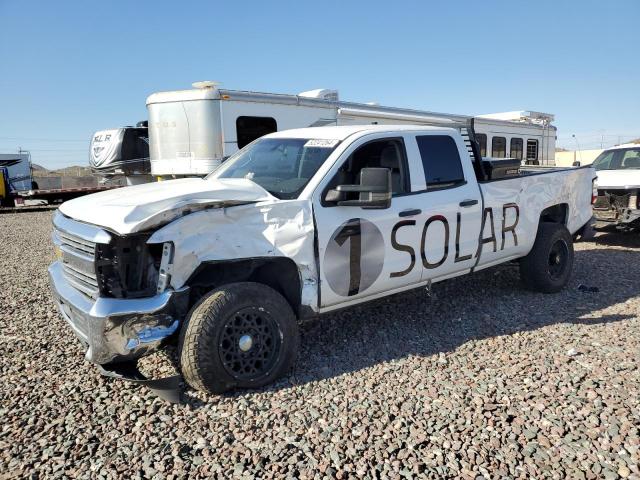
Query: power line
x=62, y=150
x=600, y=135
x=56, y=150
x=86, y=140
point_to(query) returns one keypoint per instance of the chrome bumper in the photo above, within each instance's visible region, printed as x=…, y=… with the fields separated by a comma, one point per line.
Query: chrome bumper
x=113, y=329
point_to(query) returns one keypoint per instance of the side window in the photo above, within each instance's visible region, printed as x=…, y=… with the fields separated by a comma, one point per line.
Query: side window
x=250, y=128
x=516, y=148
x=385, y=153
x=441, y=160
x=631, y=159
x=532, y=150
x=482, y=140
x=498, y=147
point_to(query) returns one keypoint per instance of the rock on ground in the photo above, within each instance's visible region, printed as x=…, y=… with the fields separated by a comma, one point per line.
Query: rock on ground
x=481, y=379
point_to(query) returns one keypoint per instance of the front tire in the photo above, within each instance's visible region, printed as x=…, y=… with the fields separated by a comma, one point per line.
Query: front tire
x=547, y=267
x=241, y=335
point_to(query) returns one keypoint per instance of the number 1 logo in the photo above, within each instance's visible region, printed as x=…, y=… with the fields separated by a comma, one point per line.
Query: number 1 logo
x=354, y=257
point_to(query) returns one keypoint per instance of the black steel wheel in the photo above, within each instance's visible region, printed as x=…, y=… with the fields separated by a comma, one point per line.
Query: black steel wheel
x=547, y=267
x=250, y=343
x=240, y=335
x=558, y=256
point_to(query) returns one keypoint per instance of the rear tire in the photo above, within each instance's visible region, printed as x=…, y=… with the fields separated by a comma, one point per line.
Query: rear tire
x=547, y=267
x=240, y=335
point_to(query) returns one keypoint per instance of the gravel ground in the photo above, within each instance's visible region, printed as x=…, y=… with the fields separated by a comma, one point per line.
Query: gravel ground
x=480, y=379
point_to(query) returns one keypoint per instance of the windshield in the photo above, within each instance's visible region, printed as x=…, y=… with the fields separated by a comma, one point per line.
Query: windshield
x=619, y=159
x=282, y=166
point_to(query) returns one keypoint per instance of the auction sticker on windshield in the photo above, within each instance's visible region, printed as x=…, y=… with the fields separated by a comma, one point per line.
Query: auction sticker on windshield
x=322, y=143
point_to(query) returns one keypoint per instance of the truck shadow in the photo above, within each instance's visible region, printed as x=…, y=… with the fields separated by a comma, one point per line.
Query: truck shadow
x=486, y=304
x=630, y=239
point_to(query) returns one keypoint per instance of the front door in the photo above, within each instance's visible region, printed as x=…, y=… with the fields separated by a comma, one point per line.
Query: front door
x=363, y=252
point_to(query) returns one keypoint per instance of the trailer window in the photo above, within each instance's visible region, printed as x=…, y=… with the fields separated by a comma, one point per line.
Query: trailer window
x=250, y=128
x=532, y=150
x=498, y=147
x=441, y=161
x=516, y=148
x=482, y=140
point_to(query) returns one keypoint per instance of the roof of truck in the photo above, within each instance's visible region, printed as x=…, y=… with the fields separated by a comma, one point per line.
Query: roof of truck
x=625, y=145
x=342, y=132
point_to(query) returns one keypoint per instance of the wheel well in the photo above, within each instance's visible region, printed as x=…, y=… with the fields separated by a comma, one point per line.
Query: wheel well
x=555, y=214
x=281, y=274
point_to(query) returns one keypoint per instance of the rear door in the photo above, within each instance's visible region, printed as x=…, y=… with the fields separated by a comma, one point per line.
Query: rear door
x=450, y=204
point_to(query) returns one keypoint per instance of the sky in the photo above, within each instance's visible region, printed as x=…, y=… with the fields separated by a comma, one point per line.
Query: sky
x=69, y=68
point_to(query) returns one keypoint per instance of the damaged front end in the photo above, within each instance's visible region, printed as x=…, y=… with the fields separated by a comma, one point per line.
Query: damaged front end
x=617, y=207
x=111, y=291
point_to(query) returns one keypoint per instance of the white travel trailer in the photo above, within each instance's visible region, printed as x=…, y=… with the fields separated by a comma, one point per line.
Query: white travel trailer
x=121, y=152
x=192, y=131
x=525, y=135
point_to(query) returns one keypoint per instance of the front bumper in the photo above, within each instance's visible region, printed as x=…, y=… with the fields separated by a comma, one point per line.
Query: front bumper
x=117, y=330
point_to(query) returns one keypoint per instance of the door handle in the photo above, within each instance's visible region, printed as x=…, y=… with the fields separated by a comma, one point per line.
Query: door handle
x=468, y=203
x=410, y=213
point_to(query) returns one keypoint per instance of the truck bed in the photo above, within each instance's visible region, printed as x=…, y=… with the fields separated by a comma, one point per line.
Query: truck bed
x=520, y=199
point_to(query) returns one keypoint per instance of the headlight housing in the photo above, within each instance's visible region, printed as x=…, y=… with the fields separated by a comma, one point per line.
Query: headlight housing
x=128, y=267
x=166, y=266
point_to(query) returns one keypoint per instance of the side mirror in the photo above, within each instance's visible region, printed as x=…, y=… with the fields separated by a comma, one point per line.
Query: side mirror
x=374, y=190
x=576, y=164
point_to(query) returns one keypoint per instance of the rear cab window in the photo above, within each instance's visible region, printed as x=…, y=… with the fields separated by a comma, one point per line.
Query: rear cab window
x=618, y=159
x=441, y=161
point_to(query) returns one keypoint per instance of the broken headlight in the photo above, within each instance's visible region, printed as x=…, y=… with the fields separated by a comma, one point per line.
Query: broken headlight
x=166, y=264
x=128, y=267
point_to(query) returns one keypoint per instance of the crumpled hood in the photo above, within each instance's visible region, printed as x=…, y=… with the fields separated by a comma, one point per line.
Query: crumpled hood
x=141, y=207
x=623, y=178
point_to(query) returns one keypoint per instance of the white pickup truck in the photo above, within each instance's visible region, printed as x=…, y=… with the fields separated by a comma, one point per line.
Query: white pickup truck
x=296, y=224
x=618, y=183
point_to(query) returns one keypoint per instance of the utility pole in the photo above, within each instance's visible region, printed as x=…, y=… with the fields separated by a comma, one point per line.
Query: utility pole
x=579, y=151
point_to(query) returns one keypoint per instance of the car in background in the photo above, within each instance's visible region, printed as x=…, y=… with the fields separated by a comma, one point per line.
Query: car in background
x=618, y=187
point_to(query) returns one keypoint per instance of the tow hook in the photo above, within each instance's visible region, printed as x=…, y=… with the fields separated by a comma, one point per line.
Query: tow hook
x=168, y=388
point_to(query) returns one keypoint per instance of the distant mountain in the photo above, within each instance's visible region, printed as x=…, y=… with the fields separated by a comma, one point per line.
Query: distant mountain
x=74, y=171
